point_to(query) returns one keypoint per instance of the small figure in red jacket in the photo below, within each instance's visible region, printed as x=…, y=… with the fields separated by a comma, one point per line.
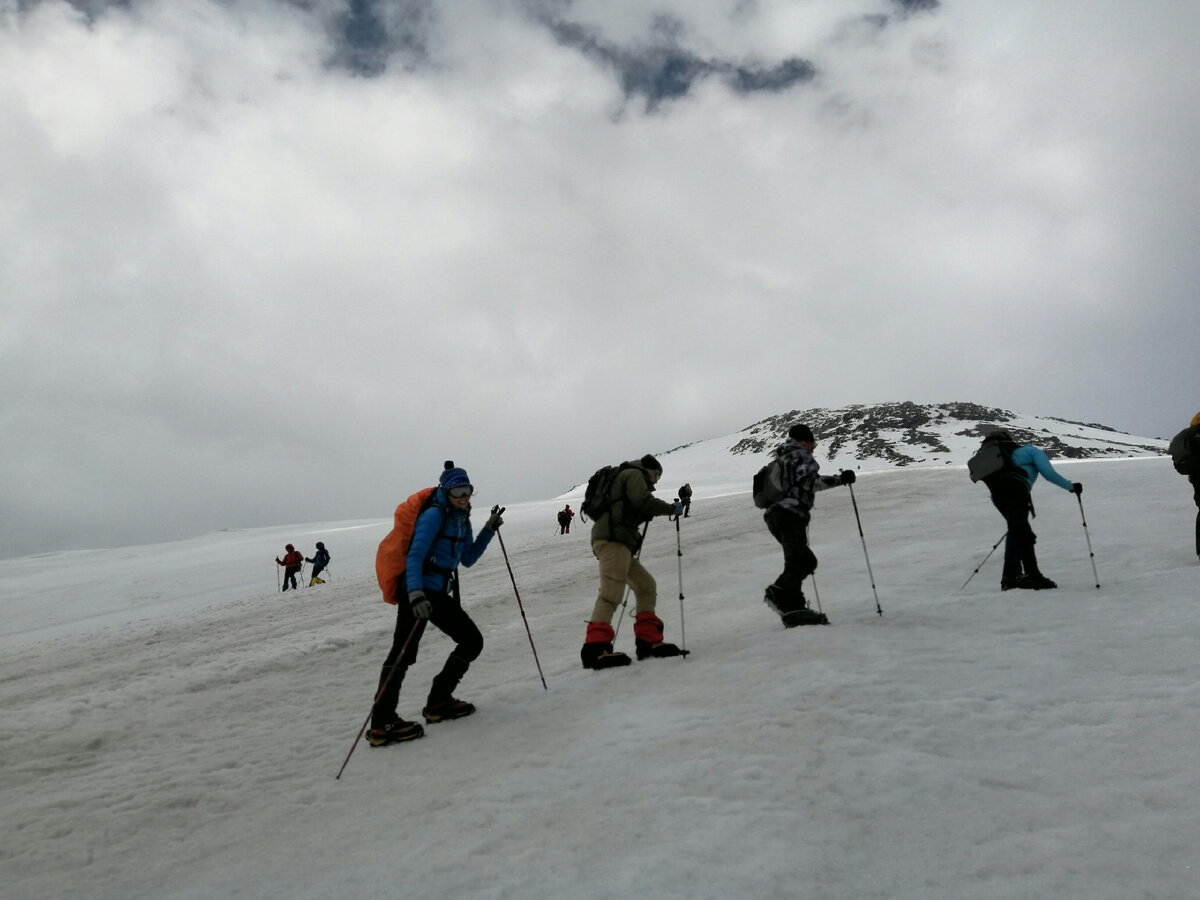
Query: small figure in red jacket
x=291, y=562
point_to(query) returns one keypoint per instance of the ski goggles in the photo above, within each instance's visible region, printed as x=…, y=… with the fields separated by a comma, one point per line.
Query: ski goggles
x=460, y=491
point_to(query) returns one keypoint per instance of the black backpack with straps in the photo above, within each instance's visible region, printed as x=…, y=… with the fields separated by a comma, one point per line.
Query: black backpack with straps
x=1185, y=451
x=597, y=497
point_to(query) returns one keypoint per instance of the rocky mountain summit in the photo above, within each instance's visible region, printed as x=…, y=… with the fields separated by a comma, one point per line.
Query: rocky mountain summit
x=883, y=436
x=906, y=433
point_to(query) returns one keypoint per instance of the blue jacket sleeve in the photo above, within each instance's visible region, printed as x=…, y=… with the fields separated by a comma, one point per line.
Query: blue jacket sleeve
x=1036, y=461
x=475, y=548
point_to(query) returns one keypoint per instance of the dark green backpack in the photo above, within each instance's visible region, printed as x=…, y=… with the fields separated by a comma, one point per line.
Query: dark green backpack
x=597, y=497
x=1185, y=454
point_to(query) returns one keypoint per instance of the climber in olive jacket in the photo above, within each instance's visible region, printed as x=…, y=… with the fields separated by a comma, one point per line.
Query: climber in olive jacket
x=616, y=539
x=633, y=504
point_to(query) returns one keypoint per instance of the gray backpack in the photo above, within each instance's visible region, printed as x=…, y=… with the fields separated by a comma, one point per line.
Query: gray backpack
x=992, y=461
x=768, y=488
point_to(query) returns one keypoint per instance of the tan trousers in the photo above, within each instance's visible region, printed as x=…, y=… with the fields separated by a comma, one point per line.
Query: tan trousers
x=617, y=569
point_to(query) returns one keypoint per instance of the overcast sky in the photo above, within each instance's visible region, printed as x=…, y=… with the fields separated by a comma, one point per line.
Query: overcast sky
x=271, y=261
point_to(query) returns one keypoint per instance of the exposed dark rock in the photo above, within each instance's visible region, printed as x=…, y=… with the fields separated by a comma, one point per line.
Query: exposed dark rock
x=865, y=426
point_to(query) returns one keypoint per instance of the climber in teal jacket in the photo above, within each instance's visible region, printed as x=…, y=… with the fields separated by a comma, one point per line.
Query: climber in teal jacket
x=1011, y=495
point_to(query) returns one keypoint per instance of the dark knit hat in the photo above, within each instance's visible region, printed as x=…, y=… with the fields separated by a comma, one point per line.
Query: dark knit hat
x=801, y=433
x=649, y=462
x=453, y=476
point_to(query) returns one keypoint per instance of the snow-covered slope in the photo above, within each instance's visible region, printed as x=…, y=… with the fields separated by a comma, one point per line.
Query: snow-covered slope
x=170, y=724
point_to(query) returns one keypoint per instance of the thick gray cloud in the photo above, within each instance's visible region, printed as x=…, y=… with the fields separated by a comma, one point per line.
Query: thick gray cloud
x=274, y=261
x=368, y=36
x=663, y=69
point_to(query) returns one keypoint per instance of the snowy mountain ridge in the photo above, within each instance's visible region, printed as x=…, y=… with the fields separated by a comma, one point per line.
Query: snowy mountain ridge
x=909, y=433
x=888, y=435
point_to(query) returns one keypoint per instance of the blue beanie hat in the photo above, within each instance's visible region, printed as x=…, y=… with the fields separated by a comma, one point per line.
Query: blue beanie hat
x=452, y=476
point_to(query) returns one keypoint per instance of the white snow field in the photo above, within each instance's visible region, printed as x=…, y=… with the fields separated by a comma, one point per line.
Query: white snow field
x=170, y=724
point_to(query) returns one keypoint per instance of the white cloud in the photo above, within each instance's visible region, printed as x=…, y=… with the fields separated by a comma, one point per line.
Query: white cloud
x=307, y=287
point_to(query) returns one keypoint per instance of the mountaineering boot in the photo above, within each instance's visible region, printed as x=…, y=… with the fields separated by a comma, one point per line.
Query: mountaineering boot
x=792, y=608
x=316, y=580
x=602, y=656
x=803, y=616
x=394, y=732
x=447, y=709
x=445, y=681
x=440, y=705
x=1011, y=576
x=1038, y=582
x=783, y=602
x=661, y=649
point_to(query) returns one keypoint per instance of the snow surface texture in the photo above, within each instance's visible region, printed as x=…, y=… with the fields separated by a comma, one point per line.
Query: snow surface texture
x=170, y=724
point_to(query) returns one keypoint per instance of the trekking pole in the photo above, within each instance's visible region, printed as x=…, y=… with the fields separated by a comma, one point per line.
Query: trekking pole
x=628, y=588
x=278, y=579
x=1092, y=555
x=813, y=577
x=513, y=578
x=863, y=538
x=416, y=629
x=985, y=559
x=679, y=558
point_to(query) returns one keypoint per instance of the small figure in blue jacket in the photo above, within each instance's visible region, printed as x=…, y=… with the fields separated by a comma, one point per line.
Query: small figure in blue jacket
x=1011, y=489
x=320, y=559
x=442, y=540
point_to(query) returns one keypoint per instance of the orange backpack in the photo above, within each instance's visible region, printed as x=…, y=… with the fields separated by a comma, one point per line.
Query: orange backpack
x=392, y=557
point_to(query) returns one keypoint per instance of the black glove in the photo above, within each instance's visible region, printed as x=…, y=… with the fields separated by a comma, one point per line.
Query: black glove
x=677, y=509
x=421, y=607
x=494, y=520
x=1077, y=488
x=847, y=477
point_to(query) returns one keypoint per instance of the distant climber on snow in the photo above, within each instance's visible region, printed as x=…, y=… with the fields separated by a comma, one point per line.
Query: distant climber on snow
x=320, y=559
x=291, y=562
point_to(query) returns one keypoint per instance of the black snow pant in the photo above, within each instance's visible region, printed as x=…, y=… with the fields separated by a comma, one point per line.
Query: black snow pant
x=448, y=617
x=1015, y=503
x=791, y=530
x=289, y=577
